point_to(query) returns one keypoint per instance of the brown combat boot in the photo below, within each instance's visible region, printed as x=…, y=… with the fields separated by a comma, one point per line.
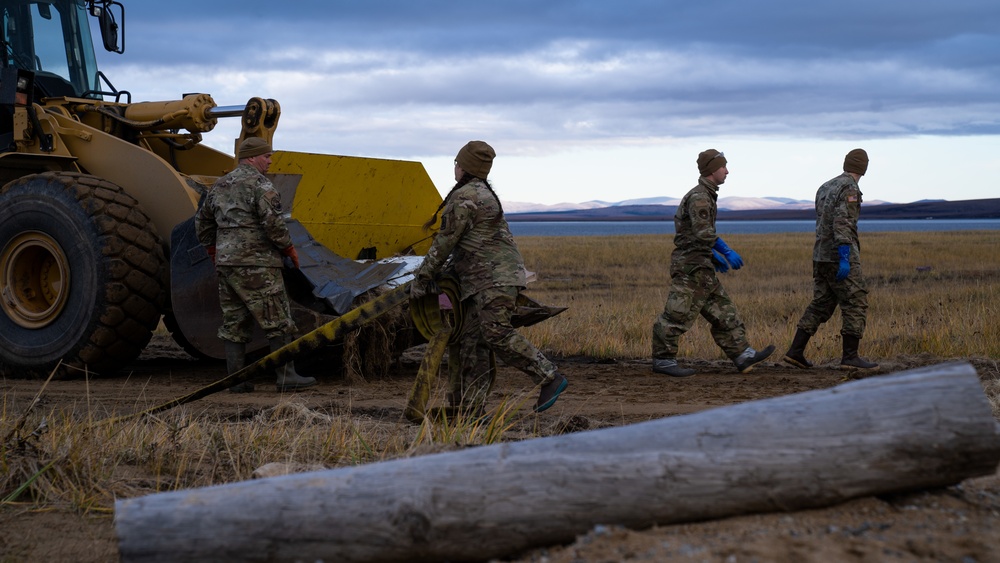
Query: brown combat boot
x=851, y=359
x=796, y=355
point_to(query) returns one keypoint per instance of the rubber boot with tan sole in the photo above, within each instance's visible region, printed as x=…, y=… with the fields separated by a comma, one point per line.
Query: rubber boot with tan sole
x=851, y=359
x=796, y=355
x=288, y=379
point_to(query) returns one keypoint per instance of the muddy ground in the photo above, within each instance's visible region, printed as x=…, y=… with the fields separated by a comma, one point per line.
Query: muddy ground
x=959, y=523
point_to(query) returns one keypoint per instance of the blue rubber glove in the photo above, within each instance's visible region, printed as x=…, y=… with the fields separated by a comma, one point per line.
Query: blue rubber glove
x=844, y=270
x=719, y=262
x=734, y=259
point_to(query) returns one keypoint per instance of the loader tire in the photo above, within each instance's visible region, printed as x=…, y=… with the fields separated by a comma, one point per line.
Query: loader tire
x=83, y=277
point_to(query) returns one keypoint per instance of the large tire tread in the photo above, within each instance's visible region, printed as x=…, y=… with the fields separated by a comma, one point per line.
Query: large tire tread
x=136, y=277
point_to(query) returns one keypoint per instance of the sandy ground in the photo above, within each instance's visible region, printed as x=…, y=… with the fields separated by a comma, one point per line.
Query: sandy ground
x=957, y=523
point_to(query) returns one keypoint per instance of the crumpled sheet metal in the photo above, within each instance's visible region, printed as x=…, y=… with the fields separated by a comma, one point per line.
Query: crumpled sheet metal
x=337, y=280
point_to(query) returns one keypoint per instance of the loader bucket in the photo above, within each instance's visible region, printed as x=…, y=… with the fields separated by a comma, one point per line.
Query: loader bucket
x=359, y=208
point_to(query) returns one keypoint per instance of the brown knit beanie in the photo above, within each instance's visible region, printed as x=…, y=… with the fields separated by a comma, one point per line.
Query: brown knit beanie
x=709, y=161
x=251, y=147
x=856, y=161
x=476, y=158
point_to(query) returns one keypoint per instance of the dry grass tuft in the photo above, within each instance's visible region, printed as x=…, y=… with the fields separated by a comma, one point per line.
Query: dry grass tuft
x=368, y=353
x=64, y=459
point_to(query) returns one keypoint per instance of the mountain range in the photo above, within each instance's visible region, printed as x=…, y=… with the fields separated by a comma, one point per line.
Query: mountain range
x=730, y=203
x=746, y=208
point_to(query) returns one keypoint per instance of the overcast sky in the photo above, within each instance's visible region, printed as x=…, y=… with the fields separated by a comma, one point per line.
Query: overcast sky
x=602, y=99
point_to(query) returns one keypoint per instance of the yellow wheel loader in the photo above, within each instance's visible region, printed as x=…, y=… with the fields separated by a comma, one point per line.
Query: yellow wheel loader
x=96, y=230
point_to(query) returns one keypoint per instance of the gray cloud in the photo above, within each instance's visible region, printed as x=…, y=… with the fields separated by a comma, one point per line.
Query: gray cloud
x=408, y=78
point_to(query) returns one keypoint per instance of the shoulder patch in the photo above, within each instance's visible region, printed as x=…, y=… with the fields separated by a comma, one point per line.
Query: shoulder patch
x=273, y=199
x=852, y=198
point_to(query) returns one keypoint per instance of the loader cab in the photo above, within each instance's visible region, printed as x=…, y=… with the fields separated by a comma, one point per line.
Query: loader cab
x=52, y=40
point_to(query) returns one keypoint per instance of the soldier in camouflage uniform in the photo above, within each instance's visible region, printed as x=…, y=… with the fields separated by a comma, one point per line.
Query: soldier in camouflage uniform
x=694, y=287
x=837, y=277
x=476, y=246
x=240, y=224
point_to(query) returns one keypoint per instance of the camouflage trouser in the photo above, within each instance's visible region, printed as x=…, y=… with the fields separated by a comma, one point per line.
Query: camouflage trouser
x=253, y=292
x=693, y=294
x=487, y=326
x=851, y=294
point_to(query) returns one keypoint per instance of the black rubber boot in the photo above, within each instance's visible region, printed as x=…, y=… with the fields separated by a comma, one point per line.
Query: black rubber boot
x=796, y=355
x=235, y=361
x=668, y=366
x=750, y=357
x=851, y=359
x=288, y=379
x=550, y=392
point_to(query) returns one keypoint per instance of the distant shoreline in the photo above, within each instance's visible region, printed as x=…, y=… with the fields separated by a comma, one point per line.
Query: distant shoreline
x=968, y=209
x=612, y=228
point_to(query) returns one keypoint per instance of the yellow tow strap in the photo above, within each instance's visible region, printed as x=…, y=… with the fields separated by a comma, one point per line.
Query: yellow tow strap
x=329, y=332
x=416, y=404
x=440, y=329
x=430, y=319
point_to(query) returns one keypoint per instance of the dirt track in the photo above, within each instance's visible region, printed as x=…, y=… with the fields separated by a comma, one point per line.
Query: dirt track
x=959, y=523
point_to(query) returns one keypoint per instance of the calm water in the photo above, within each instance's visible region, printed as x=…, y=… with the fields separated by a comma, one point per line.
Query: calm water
x=606, y=228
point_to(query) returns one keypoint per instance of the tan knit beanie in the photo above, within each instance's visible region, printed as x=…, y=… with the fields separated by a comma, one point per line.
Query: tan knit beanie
x=709, y=161
x=856, y=161
x=476, y=158
x=251, y=147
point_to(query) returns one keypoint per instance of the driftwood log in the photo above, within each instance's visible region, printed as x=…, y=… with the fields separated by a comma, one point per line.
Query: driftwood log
x=923, y=428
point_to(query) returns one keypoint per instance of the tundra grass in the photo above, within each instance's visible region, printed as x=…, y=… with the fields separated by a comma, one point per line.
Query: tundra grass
x=931, y=294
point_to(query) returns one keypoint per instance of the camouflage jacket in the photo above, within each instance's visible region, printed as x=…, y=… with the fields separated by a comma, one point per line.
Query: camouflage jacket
x=838, y=205
x=694, y=228
x=241, y=216
x=476, y=238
